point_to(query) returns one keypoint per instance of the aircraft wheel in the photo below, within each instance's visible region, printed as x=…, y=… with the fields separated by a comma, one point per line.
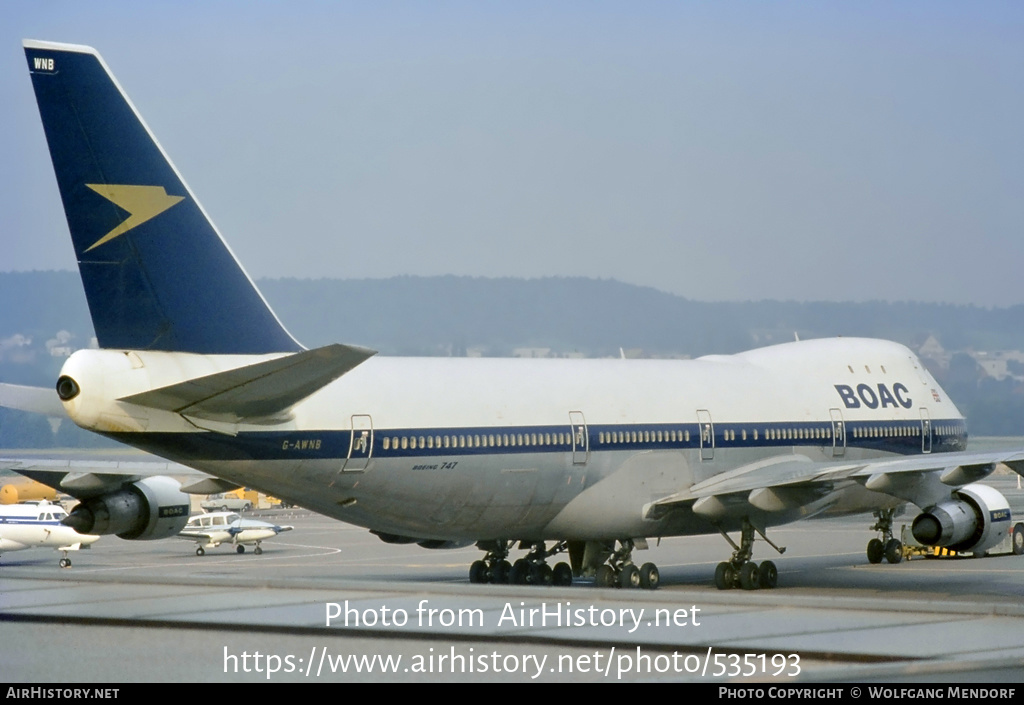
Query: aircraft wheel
x=650, y=578
x=200, y=551
x=894, y=551
x=64, y=563
x=240, y=549
x=1018, y=539
x=500, y=572
x=769, y=575
x=541, y=574
x=629, y=577
x=478, y=572
x=725, y=576
x=606, y=576
x=258, y=551
x=750, y=576
x=562, y=575
x=520, y=572
x=876, y=551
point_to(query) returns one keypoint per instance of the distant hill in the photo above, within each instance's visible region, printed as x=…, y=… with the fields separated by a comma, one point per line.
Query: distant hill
x=446, y=315
x=44, y=313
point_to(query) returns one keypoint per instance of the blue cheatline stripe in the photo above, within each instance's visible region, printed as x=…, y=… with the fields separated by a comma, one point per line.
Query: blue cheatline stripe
x=890, y=437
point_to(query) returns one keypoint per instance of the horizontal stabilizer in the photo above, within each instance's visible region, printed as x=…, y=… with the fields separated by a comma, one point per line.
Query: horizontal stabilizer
x=263, y=391
x=37, y=400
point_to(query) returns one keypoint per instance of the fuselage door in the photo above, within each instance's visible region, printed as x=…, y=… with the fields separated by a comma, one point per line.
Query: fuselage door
x=580, y=438
x=926, y=431
x=707, y=434
x=838, y=433
x=360, y=447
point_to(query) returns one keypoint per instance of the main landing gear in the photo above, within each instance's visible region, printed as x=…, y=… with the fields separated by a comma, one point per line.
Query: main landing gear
x=742, y=572
x=614, y=568
x=494, y=568
x=887, y=547
x=620, y=571
x=533, y=569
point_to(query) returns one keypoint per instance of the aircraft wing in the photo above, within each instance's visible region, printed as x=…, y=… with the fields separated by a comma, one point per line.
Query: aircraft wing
x=787, y=481
x=83, y=479
x=196, y=535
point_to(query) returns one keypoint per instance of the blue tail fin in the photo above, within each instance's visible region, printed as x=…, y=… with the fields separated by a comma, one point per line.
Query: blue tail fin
x=156, y=272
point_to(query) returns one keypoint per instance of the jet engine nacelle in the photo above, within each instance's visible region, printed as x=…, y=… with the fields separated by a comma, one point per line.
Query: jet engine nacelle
x=976, y=518
x=152, y=508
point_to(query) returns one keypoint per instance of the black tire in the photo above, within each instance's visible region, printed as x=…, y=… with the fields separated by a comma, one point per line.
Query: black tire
x=258, y=551
x=650, y=578
x=876, y=551
x=629, y=577
x=200, y=551
x=240, y=549
x=519, y=573
x=606, y=576
x=478, y=572
x=750, y=576
x=500, y=571
x=769, y=575
x=1018, y=539
x=725, y=576
x=894, y=551
x=541, y=574
x=562, y=575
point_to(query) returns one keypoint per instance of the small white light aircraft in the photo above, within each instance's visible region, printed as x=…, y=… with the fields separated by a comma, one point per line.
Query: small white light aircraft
x=587, y=457
x=214, y=528
x=31, y=525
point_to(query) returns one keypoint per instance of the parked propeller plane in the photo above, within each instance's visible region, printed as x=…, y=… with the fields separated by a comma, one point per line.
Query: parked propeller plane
x=214, y=528
x=592, y=458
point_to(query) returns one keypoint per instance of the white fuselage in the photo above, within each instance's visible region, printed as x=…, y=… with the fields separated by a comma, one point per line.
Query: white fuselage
x=37, y=525
x=469, y=449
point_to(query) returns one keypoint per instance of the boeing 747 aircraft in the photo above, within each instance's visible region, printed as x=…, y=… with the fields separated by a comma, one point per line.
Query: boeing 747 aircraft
x=590, y=458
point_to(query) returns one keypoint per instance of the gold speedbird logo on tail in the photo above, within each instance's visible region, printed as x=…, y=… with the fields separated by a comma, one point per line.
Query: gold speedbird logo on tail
x=142, y=203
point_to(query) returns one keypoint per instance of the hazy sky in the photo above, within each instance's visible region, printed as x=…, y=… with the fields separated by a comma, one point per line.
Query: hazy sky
x=725, y=150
